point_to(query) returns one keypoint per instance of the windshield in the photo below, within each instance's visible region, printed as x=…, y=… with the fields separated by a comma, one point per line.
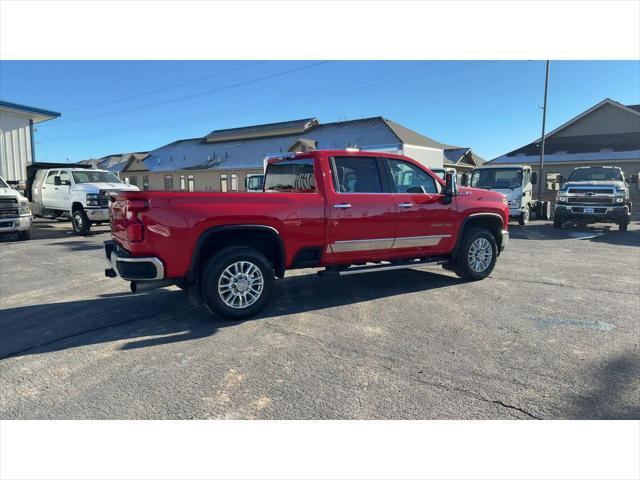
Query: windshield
x=3, y=184
x=94, y=176
x=594, y=174
x=255, y=182
x=500, y=178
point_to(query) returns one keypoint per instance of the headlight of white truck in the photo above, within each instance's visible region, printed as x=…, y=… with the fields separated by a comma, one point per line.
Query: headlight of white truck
x=562, y=198
x=25, y=209
x=93, y=200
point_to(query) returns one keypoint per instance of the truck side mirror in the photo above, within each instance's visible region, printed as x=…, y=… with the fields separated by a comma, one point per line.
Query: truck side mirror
x=560, y=179
x=633, y=178
x=56, y=181
x=534, y=178
x=451, y=186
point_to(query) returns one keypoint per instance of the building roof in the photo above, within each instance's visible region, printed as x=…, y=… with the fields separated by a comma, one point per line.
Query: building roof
x=375, y=133
x=36, y=114
x=455, y=155
x=264, y=130
x=611, y=146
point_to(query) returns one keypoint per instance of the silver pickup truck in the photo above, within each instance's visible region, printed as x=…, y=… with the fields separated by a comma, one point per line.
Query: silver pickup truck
x=594, y=195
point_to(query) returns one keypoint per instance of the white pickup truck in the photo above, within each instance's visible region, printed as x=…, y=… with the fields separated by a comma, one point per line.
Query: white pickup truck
x=79, y=193
x=15, y=213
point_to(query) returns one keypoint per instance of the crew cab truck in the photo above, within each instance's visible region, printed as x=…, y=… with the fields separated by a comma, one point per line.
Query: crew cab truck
x=15, y=212
x=81, y=194
x=348, y=211
x=516, y=183
x=594, y=195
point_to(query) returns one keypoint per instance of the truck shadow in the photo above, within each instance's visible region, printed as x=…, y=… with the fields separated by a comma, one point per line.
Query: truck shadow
x=613, y=394
x=166, y=316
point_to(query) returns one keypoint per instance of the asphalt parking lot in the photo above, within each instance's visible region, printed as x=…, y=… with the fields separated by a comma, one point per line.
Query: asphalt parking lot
x=553, y=334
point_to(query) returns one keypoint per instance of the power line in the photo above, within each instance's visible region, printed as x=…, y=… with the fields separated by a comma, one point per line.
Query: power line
x=352, y=87
x=190, y=96
x=164, y=89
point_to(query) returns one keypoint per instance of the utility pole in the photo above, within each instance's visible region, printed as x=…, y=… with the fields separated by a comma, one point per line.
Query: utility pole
x=544, y=118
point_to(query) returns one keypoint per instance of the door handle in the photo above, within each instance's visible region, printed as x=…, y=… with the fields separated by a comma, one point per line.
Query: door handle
x=405, y=205
x=342, y=205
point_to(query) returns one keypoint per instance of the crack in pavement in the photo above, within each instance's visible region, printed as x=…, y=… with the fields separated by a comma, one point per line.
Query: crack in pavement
x=84, y=332
x=439, y=385
x=555, y=284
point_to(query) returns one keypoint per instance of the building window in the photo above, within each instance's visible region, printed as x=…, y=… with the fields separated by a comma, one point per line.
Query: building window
x=191, y=183
x=223, y=182
x=168, y=182
x=553, y=181
x=234, y=182
x=145, y=182
x=133, y=180
x=183, y=185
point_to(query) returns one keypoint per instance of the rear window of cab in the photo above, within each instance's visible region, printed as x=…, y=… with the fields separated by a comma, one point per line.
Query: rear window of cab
x=290, y=176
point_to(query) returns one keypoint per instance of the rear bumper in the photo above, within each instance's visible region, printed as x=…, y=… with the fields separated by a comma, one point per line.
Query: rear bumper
x=15, y=224
x=121, y=263
x=600, y=213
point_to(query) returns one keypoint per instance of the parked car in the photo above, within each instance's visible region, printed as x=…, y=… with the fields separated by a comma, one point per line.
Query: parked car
x=516, y=183
x=81, y=194
x=593, y=195
x=15, y=212
x=336, y=209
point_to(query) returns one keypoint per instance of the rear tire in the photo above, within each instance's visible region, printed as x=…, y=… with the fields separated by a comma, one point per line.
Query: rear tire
x=477, y=255
x=80, y=222
x=237, y=283
x=545, y=211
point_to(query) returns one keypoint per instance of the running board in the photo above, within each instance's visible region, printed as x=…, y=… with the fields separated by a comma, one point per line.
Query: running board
x=383, y=268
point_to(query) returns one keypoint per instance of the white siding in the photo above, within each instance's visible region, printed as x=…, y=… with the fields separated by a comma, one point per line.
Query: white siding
x=429, y=157
x=15, y=146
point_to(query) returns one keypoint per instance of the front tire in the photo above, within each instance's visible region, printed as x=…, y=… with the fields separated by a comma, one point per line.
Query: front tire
x=623, y=226
x=237, y=283
x=477, y=255
x=557, y=221
x=523, y=219
x=80, y=222
x=24, y=235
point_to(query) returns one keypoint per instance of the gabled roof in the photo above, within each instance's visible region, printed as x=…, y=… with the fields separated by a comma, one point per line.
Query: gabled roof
x=37, y=114
x=598, y=147
x=410, y=137
x=307, y=142
x=606, y=101
x=264, y=130
x=375, y=133
x=454, y=156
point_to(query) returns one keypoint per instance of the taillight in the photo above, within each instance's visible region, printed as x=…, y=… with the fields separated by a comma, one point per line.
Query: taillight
x=135, y=228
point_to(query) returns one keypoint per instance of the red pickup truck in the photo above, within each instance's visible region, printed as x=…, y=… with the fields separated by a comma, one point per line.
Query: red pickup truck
x=347, y=211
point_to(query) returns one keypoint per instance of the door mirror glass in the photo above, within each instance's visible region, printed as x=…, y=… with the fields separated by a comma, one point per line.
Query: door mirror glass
x=534, y=178
x=56, y=181
x=451, y=185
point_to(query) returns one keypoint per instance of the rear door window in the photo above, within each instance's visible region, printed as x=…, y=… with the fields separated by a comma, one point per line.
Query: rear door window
x=290, y=175
x=356, y=175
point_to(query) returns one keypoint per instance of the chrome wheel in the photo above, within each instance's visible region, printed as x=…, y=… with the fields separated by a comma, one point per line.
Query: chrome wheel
x=77, y=222
x=480, y=255
x=240, y=284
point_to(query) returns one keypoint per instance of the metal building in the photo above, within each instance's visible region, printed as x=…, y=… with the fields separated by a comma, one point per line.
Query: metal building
x=17, y=147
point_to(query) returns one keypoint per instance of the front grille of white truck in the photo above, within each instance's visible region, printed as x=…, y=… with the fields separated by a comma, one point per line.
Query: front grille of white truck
x=9, y=207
